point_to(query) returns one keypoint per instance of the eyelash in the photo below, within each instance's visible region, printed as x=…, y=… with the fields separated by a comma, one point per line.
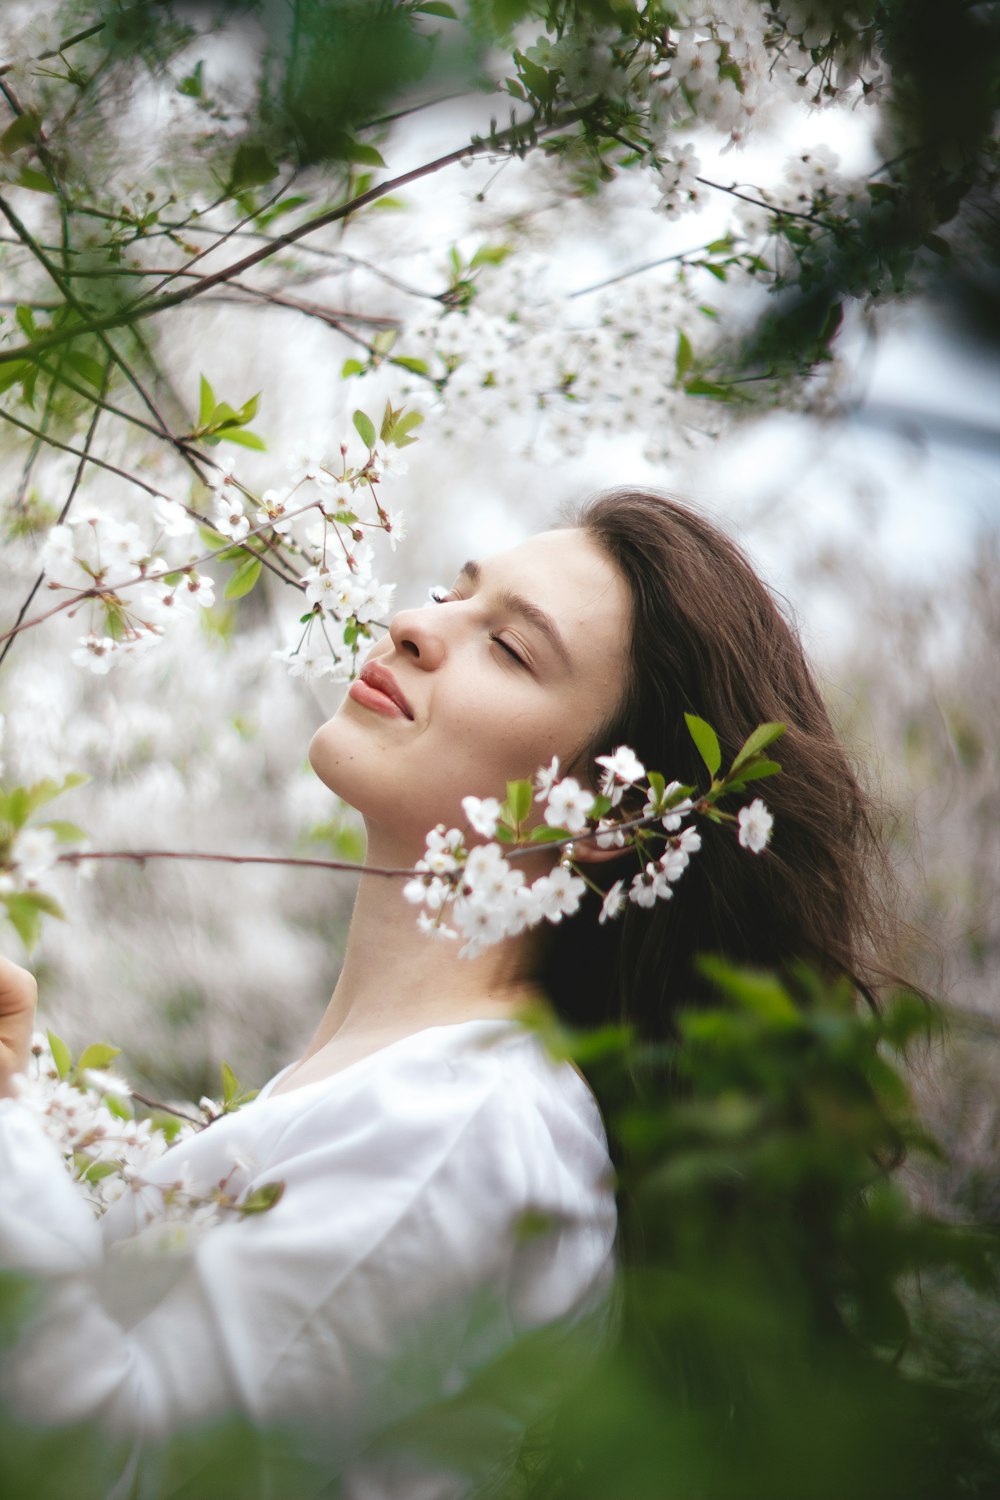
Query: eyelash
x=440, y=596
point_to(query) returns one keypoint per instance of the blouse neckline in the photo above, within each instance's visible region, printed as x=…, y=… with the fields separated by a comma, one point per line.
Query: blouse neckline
x=316, y=1083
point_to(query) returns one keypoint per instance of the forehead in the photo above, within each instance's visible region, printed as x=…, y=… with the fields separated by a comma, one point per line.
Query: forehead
x=567, y=574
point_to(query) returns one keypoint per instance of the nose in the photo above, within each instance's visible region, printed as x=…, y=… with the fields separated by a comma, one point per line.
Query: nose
x=416, y=634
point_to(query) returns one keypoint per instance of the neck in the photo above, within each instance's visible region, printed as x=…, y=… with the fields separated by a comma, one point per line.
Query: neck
x=396, y=979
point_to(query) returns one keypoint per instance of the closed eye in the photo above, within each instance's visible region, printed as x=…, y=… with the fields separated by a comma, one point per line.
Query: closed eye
x=509, y=649
x=439, y=595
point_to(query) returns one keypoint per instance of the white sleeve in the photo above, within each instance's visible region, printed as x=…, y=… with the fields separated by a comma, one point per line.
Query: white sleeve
x=396, y=1212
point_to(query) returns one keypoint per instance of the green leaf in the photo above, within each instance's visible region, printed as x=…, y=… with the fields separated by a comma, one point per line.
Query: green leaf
x=365, y=429
x=714, y=391
x=436, y=8
x=490, y=255
x=23, y=131
x=244, y=438
x=757, y=992
x=262, y=1198
x=97, y=1055
x=403, y=428
x=352, y=367
x=99, y=1169
x=543, y=834
x=25, y=319
x=243, y=579
x=230, y=1084
x=343, y=147
x=407, y=362
x=84, y=364
x=519, y=794
x=706, y=741
x=24, y=914
x=66, y=833
x=208, y=404
x=34, y=181
x=763, y=735
x=61, y=1055
x=753, y=770
x=388, y=423
x=252, y=167
x=191, y=86
x=685, y=355
x=13, y=371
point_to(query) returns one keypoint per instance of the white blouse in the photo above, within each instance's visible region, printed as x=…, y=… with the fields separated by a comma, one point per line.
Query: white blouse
x=442, y=1196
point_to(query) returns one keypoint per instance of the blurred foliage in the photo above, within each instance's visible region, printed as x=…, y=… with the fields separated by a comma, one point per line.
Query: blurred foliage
x=786, y=1323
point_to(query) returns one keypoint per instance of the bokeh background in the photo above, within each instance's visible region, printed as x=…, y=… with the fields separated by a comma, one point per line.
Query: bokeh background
x=866, y=485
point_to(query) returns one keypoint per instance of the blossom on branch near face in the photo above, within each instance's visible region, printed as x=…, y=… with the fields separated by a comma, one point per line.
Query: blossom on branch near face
x=621, y=769
x=569, y=805
x=483, y=813
x=610, y=835
x=673, y=863
x=650, y=886
x=614, y=903
x=755, y=826
x=559, y=893
x=546, y=779
x=442, y=847
x=671, y=819
x=229, y=517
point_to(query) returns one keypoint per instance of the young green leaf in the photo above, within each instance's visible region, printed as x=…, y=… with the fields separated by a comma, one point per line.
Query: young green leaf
x=365, y=429
x=519, y=799
x=97, y=1055
x=763, y=735
x=61, y=1055
x=706, y=741
x=262, y=1198
x=685, y=356
x=243, y=579
x=230, y=1084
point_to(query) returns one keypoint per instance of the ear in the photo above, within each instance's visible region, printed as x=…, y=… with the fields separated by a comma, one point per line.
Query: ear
x=589, y=852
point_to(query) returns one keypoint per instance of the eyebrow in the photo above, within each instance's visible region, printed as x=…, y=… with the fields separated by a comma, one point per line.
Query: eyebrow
x=518, y=605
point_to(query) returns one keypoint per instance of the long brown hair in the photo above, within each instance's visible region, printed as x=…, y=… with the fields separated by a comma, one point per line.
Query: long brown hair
x=708, y=638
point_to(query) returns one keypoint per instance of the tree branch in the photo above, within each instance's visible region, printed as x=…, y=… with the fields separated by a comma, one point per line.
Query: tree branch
x=174, y=299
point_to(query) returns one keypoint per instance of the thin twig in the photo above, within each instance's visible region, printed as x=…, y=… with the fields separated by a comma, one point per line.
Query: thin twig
x=138, y=309
x=75, y=485
x=139, y=856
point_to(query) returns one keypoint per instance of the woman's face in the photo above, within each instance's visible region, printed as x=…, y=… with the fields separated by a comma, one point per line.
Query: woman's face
x=524, y=659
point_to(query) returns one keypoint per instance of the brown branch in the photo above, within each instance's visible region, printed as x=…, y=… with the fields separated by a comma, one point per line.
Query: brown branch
x=139, y=856
x=174, y=299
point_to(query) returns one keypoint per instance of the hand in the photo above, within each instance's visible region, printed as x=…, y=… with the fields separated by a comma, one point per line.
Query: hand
x=18, y=993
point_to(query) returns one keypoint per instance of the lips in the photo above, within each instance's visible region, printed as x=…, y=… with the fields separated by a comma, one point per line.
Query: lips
x=381, y=679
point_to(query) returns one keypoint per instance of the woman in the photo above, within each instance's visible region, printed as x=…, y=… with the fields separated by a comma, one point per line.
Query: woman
x=423, y=1130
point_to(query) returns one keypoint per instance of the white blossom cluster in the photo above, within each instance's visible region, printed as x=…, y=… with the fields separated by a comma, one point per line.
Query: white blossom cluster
x=32, y=855
x=567, y=370
x=136, y=579
x=133, y=589
x=108, y=1153
x=715, y=65
x=478, y=891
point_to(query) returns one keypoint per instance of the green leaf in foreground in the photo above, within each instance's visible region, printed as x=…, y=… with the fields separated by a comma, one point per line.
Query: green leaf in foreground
x=243, y=579
x=706, y=741
x=365, y=429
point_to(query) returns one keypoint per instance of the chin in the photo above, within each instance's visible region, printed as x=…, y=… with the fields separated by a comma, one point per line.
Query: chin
x=325, y=754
